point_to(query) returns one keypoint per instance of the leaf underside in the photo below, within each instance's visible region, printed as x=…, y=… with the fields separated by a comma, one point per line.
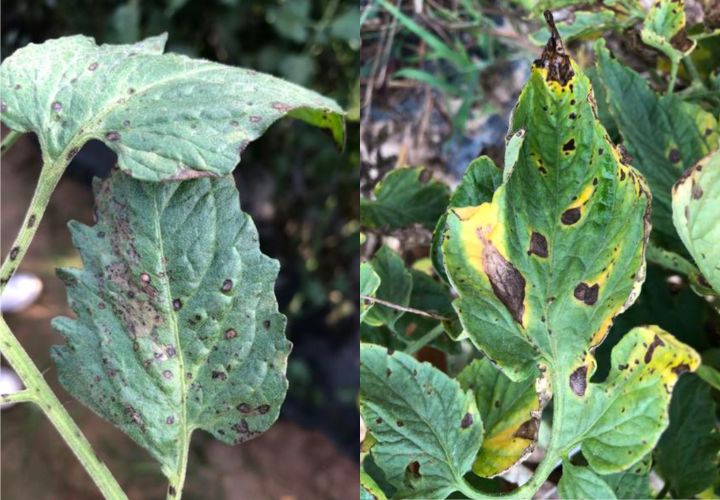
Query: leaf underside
x=696, y=205
x=165, y=115
x=177, y=324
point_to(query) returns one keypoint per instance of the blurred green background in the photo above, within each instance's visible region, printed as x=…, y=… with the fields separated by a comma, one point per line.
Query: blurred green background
x=301, y=191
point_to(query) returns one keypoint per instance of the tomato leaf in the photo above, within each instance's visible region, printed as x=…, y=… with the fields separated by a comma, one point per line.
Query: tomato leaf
x=402, y=199
x=177, y=324
x=395, y=287
x=663, y=134
x=664, y=29
x=165, y=115
x=369, y=283
x=510, y=412
x=696, y=204
x=428, y=429
x=582, y=483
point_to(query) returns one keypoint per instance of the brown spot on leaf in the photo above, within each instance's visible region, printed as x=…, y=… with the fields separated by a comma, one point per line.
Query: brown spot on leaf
x=244, y=408
x=93, y=66
x=553, y=57
x=587, y=294
x=528, y=430
x=177, y=304
x=219, y=375
x=112, y=136
x=56, y=106
x=167, y=374
x=578, y=381
x=570, y=216
x=467, y=421
x=538, y=245
x=263, y=409
x=680, y=369
x=674, y=155
x=170, y=420
x=569, y=145
x=14, y=253
x=507, y=283
x=227, y=285
x=266, y=324
x=230, y=334
x=255, y=119
x=282, y=107
x=657, y=342
x=695, y=190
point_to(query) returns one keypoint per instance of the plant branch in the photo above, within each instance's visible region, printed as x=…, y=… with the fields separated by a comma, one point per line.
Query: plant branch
x=403, y=308
x=49, y=177
x=44, y=397
x=23, y=396
x=10, y=139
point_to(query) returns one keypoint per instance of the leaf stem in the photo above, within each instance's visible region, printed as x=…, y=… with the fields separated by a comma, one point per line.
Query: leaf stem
x=10, y=139
x=403, y=308
x=49, y=177
x=23, y=396
x=415, y=346
x=177, y=481
x=39, y=392
x=674, y=62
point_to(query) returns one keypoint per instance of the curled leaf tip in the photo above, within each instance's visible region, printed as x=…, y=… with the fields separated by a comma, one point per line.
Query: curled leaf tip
x=553, y=58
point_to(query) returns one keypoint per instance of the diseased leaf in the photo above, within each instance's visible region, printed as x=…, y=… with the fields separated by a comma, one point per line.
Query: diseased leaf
x=696, y=205
x=165, y=115
x=510, y=412
x=582, y=483
x=585, y=23
x=620, y=420
x=688, y=452
x=402, y=198
x=543, y=268
x=482, y=177
x=177, y=324
x=369, y=283
x=664, y=29
x=663, y=134
x=395, y=287
x=632, y=483
x=428, y=429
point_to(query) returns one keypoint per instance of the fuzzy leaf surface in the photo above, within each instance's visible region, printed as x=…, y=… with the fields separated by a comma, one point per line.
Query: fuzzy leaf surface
x=542, y=269
x=664, y=135
x=696, y=205
x=428, y=429
x=510, y=412
x=402, y=198
x=166, y=116
x=177, y=324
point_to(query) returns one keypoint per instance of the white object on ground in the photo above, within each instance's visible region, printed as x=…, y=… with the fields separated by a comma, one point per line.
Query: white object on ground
x=21, y=291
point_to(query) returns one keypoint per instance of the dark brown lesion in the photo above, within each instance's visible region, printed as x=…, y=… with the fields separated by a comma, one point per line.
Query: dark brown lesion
x=571, y=216
x=657, y=342
x=528, y=430
x=507, y=283
x=578, y=381
x=587, y=294
x=553, y=57
x=538, y=245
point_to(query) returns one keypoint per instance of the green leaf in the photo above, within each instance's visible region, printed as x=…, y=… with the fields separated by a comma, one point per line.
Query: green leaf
x=687, y=454
x=369, y=283
x=696, y=204
x=664, y=29
x=402, y=198
x=482, y=177
x=663, y=134
x=428, y=429
x=395, y=287
x=177, y=324
x=369, y=489
x=584, y=24
x=620, y=420
x=543, y=268
x=582, y=483
x=632, y=483
x=510, y=412
x=165, y=115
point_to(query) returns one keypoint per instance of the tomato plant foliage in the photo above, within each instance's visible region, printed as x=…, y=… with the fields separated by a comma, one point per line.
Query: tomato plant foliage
x=540, y=257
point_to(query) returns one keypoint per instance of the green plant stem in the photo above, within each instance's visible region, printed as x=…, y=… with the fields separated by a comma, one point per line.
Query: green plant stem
x=49, y=177
x=674, y=62
x=44, y=397
x=10, y=139
x=414, y=347
x=693, y=71
x=177, y=480
x=23, y=396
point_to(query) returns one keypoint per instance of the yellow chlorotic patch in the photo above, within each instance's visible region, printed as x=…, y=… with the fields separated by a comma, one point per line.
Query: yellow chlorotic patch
x=476, y=221
x=662, y=353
